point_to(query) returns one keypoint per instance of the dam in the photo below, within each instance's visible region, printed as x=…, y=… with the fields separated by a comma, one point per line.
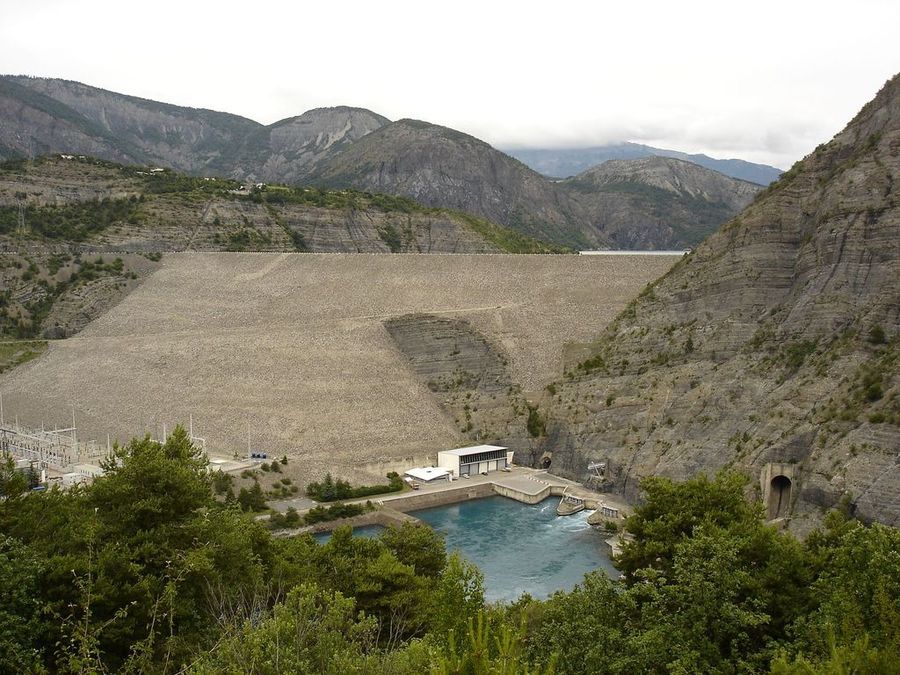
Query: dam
x=288, y=353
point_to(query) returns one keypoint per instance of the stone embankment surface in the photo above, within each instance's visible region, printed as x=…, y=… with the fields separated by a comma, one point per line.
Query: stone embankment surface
x=291, y=350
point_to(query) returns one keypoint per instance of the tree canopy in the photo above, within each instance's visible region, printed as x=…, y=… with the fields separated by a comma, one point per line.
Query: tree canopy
x=146, y=571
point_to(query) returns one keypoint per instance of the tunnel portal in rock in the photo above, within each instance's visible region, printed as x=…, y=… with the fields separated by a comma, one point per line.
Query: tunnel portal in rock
x=778, y=482
x=779, y=496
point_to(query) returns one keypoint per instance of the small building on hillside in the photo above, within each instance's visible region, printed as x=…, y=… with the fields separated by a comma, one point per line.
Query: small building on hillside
x=475, y=459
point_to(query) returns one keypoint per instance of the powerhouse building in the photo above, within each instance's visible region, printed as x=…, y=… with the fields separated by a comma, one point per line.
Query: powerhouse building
x=475, y=459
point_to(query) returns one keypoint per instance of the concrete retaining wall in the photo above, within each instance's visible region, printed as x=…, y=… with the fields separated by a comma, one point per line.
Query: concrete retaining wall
x=523, y=497
x=415, y=502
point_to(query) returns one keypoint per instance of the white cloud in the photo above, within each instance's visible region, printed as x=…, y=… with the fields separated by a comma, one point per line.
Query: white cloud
x=766, y=81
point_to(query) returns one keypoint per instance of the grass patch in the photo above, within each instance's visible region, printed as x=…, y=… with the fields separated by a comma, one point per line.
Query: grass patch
x=14, y=354
x=505, y=238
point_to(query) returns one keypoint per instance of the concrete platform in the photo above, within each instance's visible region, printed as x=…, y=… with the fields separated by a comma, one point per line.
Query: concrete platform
x=523, y=488
x=524, y=483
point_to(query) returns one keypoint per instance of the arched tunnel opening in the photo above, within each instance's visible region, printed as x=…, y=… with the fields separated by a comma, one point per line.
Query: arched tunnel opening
x=779, y=497
x=545, y=460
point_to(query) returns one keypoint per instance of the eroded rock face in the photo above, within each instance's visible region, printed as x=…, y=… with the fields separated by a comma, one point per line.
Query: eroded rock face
x=289, y=150
x=122, y=128
x=776, y=341
x=467, y=374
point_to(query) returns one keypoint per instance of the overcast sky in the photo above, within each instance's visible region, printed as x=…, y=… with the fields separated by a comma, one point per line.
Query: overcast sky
x=763, y=81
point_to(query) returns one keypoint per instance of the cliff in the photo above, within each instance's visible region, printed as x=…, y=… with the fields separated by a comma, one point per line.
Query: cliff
x=776, y=341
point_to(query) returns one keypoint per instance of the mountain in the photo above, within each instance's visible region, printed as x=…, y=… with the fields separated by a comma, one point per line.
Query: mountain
x=349, y=147
x=443, y=167
x=41, y=116
x=651, y=203
x=32, y=124
x=657, y=202
x=289, y=150
x=773, y=348
x=566, y=162
x=113, y=126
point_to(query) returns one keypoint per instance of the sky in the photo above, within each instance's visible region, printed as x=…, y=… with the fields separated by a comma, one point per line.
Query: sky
x=763, y=81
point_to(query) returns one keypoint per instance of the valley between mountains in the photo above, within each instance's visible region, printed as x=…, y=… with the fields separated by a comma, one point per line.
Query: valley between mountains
x=774, y=342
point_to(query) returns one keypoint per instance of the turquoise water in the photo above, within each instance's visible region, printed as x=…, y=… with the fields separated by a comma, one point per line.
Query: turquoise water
x=521, y=548
x=369, y=531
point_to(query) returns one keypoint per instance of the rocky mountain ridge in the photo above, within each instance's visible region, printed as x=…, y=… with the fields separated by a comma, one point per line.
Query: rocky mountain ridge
x=441, y=166
x=40, y=116
x=289, y=150
x=568, y=162
x=329, y=146
x=657, y=202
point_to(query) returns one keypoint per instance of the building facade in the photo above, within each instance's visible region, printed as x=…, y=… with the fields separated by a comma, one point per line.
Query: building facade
x=474, y=460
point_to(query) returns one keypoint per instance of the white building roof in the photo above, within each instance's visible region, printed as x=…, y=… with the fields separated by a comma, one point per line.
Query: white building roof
x=472, y=450
x=429, y=473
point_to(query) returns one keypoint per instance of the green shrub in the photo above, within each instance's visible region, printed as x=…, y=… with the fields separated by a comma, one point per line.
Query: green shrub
x=876, y=335
x=288, y=519
x=596, y=362
x=252, y=499
x=535, y=423
x=795, y=354
x=321, y=514
x=330, y=490
x=874, y=392
x=221, y=482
